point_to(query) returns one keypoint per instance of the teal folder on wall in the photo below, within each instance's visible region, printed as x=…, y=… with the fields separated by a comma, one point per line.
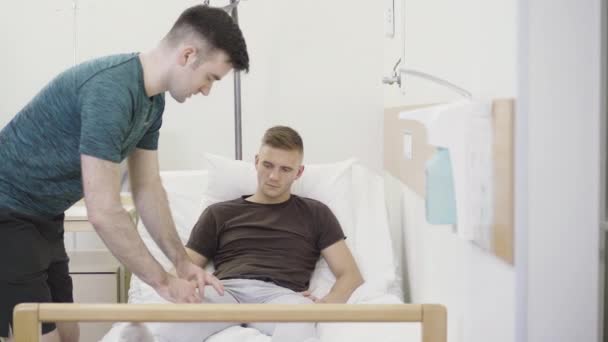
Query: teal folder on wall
x=440, y=195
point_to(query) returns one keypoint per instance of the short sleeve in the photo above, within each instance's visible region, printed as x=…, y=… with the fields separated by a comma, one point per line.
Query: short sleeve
x=203, y=238
x=330, y=230
x=105, y=113
x=150, y=139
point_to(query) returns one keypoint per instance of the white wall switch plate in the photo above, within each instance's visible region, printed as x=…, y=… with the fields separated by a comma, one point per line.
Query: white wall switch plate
x=389, y=18
x=407, y=145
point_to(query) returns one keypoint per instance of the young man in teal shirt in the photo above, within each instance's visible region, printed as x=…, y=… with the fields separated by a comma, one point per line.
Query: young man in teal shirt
x=67, y=143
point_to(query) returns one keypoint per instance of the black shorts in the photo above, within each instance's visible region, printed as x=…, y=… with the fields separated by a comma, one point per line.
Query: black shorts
x=34, y=264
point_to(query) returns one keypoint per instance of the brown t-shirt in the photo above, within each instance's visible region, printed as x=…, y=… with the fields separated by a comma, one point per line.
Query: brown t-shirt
x=279, y=242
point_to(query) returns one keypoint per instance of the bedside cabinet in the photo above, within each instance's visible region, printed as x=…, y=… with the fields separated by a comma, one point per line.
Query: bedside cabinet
x=98, y=278
x=97, y=275
x=76, y=219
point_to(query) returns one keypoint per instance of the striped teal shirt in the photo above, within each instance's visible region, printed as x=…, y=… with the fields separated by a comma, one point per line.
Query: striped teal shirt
x=98, y=108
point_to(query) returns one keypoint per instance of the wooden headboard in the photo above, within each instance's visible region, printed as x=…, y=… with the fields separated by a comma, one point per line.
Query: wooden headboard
x=409, y=171
x=412, y=171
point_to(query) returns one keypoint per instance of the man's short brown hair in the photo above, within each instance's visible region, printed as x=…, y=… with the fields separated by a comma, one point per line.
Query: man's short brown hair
x=217, y=30
x=283, y=137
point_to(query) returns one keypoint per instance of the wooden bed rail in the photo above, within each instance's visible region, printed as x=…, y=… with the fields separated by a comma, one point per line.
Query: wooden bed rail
x=28, y=316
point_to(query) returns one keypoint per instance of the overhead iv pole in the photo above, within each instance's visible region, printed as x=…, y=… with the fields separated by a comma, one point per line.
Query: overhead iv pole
x=238, y=134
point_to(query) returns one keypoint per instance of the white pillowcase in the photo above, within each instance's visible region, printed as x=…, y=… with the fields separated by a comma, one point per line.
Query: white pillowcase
x=373, y=249
x=353, y=193
x=329, y=183
x=185, y=196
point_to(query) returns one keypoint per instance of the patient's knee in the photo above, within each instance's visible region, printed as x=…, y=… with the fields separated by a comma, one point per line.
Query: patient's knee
x=135, y=332
x=68, y=331
x=185, y=332
x=294, y=332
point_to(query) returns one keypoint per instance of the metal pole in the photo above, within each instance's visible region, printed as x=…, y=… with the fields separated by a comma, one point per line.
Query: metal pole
x=238, y=143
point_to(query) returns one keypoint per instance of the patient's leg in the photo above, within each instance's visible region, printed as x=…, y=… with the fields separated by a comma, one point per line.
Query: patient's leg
x=289, y=332
x=68, y=331
x=178, y=332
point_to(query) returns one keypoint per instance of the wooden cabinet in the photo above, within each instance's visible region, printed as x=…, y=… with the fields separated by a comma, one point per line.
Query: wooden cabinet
x=97, y=275
x=76, y=219
x=98, y=278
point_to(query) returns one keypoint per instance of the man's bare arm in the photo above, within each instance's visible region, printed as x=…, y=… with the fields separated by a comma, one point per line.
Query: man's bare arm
x=101, y=183
x=153, y=207
x=344, y=268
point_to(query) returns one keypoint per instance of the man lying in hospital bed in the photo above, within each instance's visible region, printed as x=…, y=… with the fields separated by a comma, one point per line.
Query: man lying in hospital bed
x=353, y=193
x=265, y=246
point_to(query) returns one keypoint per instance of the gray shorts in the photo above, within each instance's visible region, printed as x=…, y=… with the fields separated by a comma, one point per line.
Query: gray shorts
x=245, y=291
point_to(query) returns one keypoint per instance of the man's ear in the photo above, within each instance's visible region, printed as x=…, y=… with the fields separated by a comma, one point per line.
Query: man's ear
x=257, y=160
x=300, y=171
x=187, y=55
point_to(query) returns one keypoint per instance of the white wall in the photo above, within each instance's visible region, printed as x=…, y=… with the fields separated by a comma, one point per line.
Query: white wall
x=471, y=43
x=314, y=65
x=559, y=88
x=36, y=44
x=475, y=287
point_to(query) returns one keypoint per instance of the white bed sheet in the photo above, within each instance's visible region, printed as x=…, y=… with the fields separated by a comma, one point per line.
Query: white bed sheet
x=370, y=243
x=328, y=332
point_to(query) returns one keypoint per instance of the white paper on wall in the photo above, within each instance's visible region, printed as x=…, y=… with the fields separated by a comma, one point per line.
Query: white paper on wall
x=465, y=128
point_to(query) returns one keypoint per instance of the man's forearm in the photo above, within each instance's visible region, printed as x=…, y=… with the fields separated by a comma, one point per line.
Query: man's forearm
x=120, y=236
x=343, y=288
x=153, y=207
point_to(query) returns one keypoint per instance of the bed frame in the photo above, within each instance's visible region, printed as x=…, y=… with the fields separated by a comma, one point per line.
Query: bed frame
x=28, y=316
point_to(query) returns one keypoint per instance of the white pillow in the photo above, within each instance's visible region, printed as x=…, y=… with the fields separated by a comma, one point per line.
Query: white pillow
x=373, y=248
x=228, y=178
x=352, y=192
x=329, y=183
x=185, y=196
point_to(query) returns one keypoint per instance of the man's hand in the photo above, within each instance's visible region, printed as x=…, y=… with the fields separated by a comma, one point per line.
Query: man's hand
x=178, y=290
x=189, y=271
x=312, y=297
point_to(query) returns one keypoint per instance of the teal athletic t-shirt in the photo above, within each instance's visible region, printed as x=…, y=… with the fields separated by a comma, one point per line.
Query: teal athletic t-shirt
x=98, y=108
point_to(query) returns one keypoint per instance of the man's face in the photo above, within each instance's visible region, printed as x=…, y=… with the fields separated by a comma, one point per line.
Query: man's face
x=277, y=169
x=191, y=76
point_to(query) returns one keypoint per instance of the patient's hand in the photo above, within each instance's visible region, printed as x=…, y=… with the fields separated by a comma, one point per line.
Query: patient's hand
x=178, y=290
x=312, y=297
x=189, y=271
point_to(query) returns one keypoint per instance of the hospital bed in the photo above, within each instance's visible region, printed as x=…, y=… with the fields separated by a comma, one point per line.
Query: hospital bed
x=356, y=197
